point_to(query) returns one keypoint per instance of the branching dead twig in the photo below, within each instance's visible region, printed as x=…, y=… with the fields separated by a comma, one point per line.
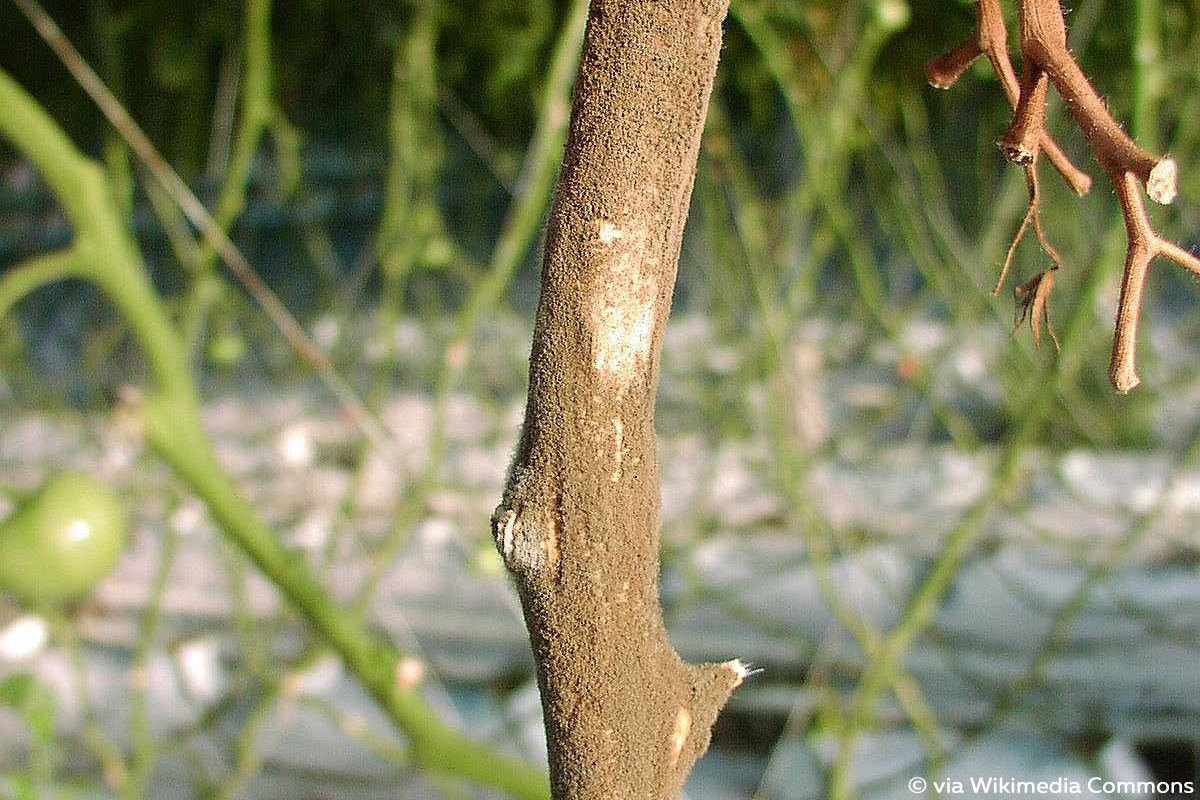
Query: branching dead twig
x=1047, y=60
x=991, y=39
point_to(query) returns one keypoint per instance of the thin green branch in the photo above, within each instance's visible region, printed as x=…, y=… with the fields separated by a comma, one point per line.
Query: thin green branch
x=144, y=743
x=357, y=730
x=529, y=202
x=255, y=118
x=116, y=154
x=254, y=654
x=748, y=223
x=1149, y=76
x=1075, y=603
x=247, y=745
x=957, y=545
x=27, y=277
x=59, y=164
x=114, y=770
x=173, y=428
x=411, y=220
x=256, y=112
x=173, y=223
x=827, y=160
x=499, y=162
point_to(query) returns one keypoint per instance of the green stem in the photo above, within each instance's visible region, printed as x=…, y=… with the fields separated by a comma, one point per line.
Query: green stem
x=249, y=633
x=529, y=200
x=144, y=742
x=116, y=154
x=1148, y=78
x=253, y=123
x=827, y=154
x=174, y=430
x=380, y=745
x=437, y=747
x=173, y=224
x=747, y=217
x=113, y=767
x=922, y=606
x=247, y=747
x=410, y=212
x=1067, y=612
x=25, y=278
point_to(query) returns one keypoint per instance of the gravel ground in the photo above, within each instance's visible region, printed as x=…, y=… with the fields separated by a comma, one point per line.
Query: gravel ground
x=1109, y=534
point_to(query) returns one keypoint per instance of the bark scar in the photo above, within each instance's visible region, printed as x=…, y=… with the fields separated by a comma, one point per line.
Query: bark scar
x=527, y=541
x=504, y=536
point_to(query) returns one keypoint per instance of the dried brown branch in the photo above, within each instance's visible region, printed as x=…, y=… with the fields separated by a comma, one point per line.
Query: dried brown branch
x=1021, y=141
x=991, y=39
x=1144, y=246
x=1043, y=40
x=1032, y=217
x=1022, y=144
x=1047, y=60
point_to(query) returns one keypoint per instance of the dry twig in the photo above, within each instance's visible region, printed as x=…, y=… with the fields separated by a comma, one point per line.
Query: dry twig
x=1047, y=60
x=991, y=39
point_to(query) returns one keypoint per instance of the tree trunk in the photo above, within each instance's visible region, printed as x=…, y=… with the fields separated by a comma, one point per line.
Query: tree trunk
x=578, y=526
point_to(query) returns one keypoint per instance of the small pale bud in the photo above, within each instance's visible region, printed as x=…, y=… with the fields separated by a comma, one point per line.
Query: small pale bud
x=1163, y=184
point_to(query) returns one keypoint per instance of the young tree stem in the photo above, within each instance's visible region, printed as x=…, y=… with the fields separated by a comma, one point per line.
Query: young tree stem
x=578, y=524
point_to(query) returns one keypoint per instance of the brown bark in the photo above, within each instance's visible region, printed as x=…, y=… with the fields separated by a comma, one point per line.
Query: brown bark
x=578, y=525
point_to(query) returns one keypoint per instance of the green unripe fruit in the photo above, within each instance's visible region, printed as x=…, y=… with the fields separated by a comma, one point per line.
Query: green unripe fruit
x=63, y=540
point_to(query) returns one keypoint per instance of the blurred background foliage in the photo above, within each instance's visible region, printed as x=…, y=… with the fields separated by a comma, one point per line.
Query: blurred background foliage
x=826, y=105
x=395, y=161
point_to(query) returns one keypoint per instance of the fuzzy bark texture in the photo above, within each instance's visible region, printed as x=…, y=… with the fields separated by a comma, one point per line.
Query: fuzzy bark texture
x=578, y=526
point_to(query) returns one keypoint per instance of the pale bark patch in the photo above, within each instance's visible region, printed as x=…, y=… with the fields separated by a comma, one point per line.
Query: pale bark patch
x=624, y=307
x=549, y=545
x=740, y=669
x=679, y=734
x=608, y=232
x=505, y=539
x=623, y=595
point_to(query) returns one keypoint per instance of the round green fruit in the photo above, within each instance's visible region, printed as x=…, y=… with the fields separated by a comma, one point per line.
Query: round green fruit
x=63, y=540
